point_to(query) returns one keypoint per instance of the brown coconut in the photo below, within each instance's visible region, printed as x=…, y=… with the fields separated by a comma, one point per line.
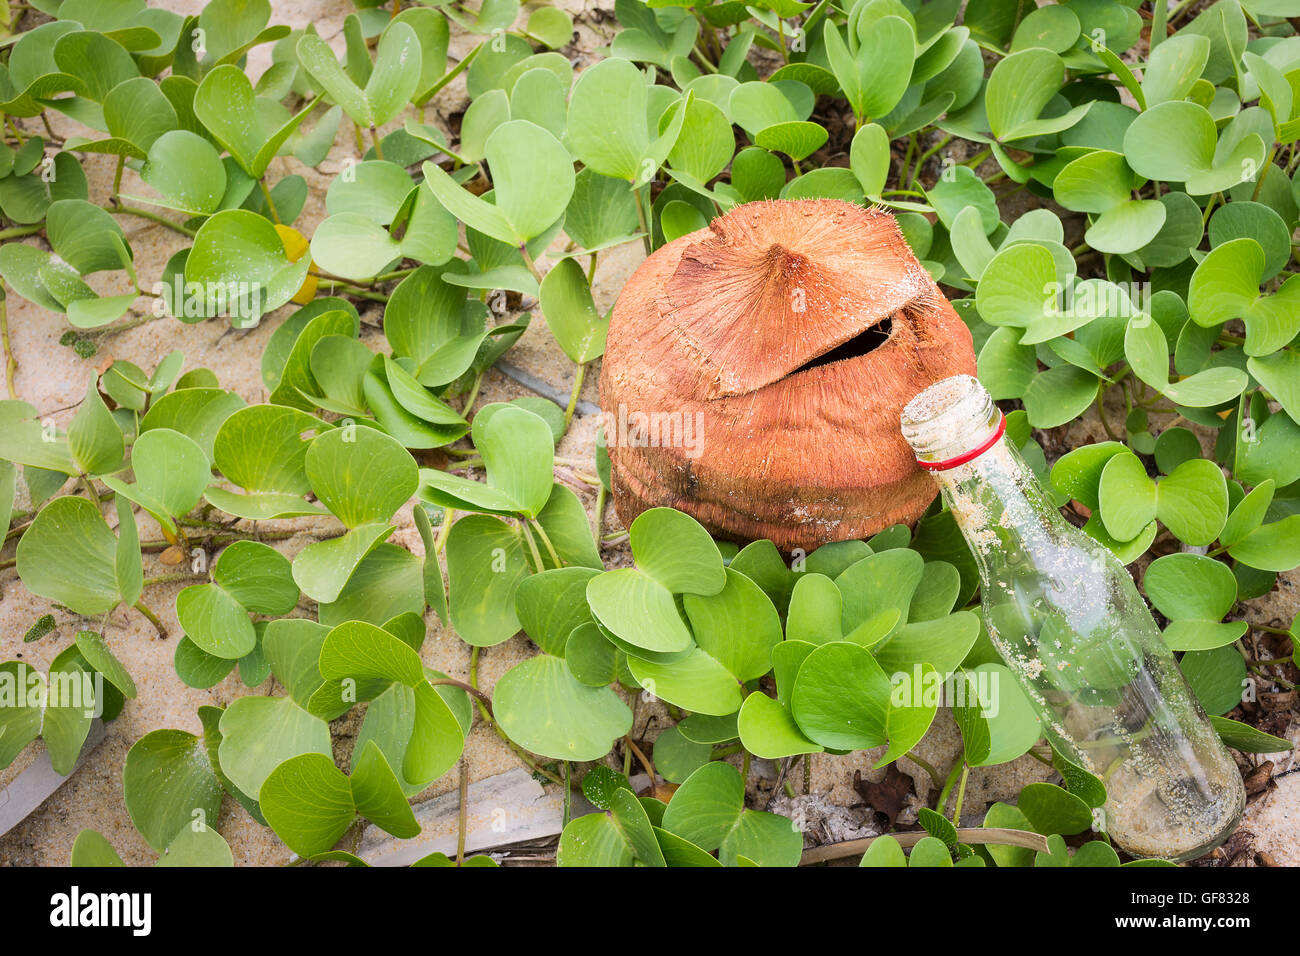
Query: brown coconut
x=755, y=371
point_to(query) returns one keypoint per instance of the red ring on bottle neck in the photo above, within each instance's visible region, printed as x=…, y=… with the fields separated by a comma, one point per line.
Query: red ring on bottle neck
x=971, y=455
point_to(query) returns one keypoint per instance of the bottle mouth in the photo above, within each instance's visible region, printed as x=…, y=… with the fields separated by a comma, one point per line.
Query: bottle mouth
x=951, y=422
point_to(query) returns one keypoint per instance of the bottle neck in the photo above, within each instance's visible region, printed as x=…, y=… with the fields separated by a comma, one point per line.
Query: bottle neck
x=1001, y=509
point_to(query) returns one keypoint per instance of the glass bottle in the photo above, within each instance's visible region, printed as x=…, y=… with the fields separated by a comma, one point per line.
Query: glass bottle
x=1068, y=621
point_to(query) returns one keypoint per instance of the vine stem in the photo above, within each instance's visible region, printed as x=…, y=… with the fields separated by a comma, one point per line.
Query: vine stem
x=462, y=815
x=961, y=794
x=546, y=542
x=153, y=618
x=153, y=217
x=948, y=785
x=641, y=218
x=270, y=203
x=927, y=767
x=374, y=139
x=573, y=395
x=997, y=836
x=11, y=363
x=528, y=261
x=532, y=547
x=568, y=795
x=599, y=515
x=470, y=689
x=333, y=284
x=18, y=232
x=641, y=757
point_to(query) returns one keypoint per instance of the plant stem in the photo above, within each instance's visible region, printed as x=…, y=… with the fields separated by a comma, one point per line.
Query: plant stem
x=153, y=618
x=532, y=547
x=598, y=515
x=928, y=768
x=641, y=757
x=546, y=542
x=11, y=363
x=117, y=174
x=961, y=794
x=374, y=139
x=462, y=814
x=1101, y=413
x=641, y=218
x=1259, y=181
x=528, y=261
x=948, y=785
x=19, y=231
x=920, y=163
x=153, y=217
x=568, y=795
x=573, y=395
x=470, y=689
x=270, y=203
x=473, y=394
x=448, y=514
x=332, y=284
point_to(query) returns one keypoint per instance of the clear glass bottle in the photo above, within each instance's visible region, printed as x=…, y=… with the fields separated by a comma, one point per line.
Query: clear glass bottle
x=1070, y=624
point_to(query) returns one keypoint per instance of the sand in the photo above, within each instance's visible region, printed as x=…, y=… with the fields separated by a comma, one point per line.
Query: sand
x=53, y=378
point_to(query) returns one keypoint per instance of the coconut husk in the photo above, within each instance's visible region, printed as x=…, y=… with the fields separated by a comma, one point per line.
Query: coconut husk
x=755, y=370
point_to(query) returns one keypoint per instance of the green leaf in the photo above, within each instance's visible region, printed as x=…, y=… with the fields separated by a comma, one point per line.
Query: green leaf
x=768, y=729
x=544, y=709
x=1176, y=142
x=1019, y=89
x=674, y=549
x=1173, y=66
x=1272, y=547
x=91, y=848
x=240, y=263
x=260, y=733
x=1216, y=677
x=1192, y=502
x=94, y=439
x=532, y=183
x=607, y=123
x=1248, y=739
x=1051, y=810
x=1225, y=286
x=99, y=656
x=215, y=621
x=884, y=851
x=392, y=83
x=875, y=76
x=640, y=611
x=707, y=806
x=68, y=555
x=361, y=475
x=841, y=698
x=1127, y=495
x=308, y=802
x=571, y=313
x=225, y=103
x=696, y=682
x=169, y=785
x=262, y=448
x=593, y=840
x=171, y=471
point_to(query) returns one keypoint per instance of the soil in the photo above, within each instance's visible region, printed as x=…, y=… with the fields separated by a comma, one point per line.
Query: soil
x=52, y=378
